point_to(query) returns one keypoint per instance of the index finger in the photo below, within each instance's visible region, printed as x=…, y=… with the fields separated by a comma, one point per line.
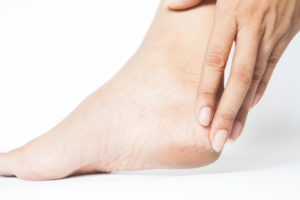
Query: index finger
x=218, y=50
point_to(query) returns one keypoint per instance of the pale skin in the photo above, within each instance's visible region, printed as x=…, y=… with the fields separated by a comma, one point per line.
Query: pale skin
x=141, y=119
x=261, y=29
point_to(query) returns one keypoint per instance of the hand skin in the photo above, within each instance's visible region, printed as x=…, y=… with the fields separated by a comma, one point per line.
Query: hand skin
x=261, y=30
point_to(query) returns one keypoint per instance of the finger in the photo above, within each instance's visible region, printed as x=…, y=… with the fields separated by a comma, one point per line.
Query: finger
x=182, y=4
x=213, y=68
x=268, y=56
x=7, y=163
x=265, y=49
x=239, y=82
x=220, y=91
x=272, y=62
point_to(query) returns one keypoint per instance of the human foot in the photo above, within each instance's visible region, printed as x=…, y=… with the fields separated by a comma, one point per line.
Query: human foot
x=142, y=119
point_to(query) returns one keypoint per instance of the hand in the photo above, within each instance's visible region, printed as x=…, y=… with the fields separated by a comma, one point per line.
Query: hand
x=262, y=30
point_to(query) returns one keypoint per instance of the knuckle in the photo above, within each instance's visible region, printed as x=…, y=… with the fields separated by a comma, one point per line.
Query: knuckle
x=216, y=60
x=266, y=49
x=257, y=75
x=272, y=62
x=258, y=23
x=227, y=116
x=243, y=75
x=207, y=93
x=263, y=84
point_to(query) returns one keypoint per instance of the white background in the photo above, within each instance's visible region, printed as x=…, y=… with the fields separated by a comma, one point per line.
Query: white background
x=54, y=53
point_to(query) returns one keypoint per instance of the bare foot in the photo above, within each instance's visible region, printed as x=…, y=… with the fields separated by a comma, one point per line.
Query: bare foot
x=142, y=119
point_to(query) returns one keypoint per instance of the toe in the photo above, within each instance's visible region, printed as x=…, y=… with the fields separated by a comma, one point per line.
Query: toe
x=7, y=164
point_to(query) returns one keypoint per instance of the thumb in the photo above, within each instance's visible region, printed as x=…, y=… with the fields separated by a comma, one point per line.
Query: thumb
x=182, y=4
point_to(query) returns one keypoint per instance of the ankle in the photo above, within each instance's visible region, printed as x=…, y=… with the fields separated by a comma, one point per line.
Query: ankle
x=178, y=38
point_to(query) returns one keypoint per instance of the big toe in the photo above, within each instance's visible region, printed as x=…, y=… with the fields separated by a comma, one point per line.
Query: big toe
x=7, y=164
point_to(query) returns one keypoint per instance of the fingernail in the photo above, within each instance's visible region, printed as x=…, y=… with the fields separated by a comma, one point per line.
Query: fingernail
x=205, y=116
x=230, y=141
x=236, y=131
x=219, y=140
x=255, y=100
